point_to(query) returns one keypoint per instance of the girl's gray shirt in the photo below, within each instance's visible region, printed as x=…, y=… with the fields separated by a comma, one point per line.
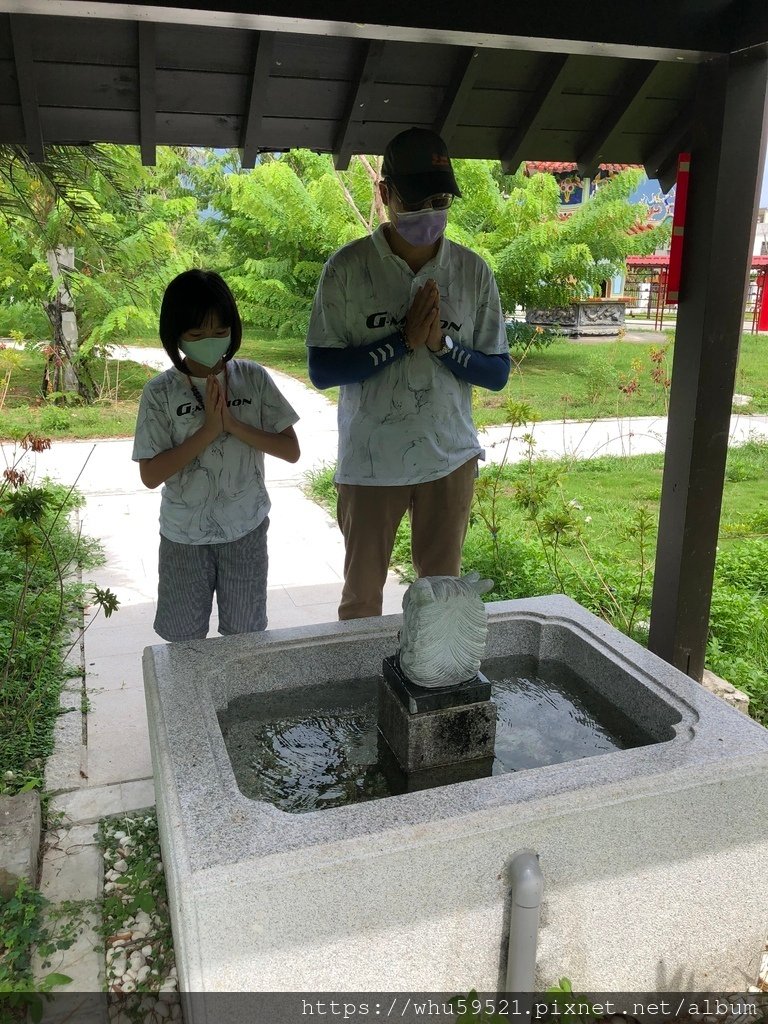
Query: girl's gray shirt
x=220, y=495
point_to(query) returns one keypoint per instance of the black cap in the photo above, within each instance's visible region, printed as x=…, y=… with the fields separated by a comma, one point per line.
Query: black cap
x=417, y=162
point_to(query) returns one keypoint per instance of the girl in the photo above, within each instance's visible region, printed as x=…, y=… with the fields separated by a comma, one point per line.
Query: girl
x=202, y=430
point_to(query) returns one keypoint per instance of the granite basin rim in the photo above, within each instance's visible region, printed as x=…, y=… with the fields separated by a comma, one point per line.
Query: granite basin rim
x=233, y=827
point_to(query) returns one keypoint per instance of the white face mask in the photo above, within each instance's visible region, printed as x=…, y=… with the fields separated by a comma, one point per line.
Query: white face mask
x=206, y=351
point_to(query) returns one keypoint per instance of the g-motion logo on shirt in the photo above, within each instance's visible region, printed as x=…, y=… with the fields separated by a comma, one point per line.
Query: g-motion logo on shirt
x=188, y=407
x=382, y=319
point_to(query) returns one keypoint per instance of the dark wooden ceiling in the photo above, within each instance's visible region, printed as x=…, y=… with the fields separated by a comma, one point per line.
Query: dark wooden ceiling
x=497, y=80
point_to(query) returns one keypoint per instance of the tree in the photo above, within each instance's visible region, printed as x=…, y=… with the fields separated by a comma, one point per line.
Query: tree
x=94, y=237
x=279, y=224
x=540, y=259
x=47, y=208
x=99, y=236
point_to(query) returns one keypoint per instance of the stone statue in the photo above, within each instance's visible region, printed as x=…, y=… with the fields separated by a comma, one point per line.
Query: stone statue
x=444, y=629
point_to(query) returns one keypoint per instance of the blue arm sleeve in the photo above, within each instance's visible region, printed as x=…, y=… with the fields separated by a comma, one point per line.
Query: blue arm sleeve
x=329, y=367
x=480, y=368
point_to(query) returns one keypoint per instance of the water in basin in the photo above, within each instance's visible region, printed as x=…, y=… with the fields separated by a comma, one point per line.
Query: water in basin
x=316, y=747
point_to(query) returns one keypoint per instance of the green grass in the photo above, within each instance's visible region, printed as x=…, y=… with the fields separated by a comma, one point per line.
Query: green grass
x=613, y=486
x=42, y=555
x=611, y=489
x=119, y=384
x=584, y=382
x=564, y=381
x=113, y=415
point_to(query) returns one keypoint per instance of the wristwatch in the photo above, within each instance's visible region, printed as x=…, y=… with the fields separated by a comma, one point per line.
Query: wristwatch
x=448, y=346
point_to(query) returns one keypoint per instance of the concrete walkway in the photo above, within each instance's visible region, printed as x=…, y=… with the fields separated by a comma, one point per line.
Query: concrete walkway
x=103, y=765
x=102, y=762
x=112, y=770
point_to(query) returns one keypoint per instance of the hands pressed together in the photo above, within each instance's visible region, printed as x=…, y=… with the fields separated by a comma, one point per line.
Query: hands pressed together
x=218, y=418
x=422, y=321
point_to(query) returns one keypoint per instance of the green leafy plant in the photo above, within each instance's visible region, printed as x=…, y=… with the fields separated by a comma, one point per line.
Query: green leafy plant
x=27, y=926
x=559, y=1003
x=41, y=601
x=618, y=593
x=319, y=484
x=486, y=501
x=566, y=1005
x=524, y=338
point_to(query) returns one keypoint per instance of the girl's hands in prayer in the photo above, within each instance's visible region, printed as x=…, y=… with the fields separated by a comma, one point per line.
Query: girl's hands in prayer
x=214, y=406
x=228, y=421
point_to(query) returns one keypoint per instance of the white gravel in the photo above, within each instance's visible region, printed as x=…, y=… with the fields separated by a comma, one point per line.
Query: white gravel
x=139, y=953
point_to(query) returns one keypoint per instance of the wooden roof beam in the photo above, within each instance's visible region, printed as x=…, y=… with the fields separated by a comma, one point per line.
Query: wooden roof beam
x=454, y=101
x=363, y=89
x=634, y=91
x=257, y=98
x=518, y=146
x=661, y=162
x=147, y=93
x=21, y=37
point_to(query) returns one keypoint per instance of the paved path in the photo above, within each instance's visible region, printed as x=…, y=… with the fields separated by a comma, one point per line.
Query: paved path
x=305, y=578
x=305, y=575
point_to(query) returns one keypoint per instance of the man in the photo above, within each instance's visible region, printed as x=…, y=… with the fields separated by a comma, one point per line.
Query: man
x=406, y=322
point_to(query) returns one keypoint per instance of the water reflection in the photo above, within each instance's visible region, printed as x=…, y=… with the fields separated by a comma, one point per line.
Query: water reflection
x=316, y=747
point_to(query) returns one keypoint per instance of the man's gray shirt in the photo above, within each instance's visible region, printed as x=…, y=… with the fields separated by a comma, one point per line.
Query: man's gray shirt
x=412, y=421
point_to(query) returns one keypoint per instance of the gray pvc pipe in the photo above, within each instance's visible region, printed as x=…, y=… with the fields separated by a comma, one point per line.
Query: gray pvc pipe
x=527, y=884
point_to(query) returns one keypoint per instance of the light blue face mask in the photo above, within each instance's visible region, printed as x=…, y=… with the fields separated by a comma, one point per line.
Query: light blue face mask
x=421, y=227
x=206, y=351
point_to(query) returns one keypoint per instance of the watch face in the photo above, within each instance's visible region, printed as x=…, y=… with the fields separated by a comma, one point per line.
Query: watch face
x=449, y=342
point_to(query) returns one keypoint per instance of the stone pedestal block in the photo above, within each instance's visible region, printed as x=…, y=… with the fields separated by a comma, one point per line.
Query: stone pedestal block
x=401, y=781
x=432, y=739
x=433, y=698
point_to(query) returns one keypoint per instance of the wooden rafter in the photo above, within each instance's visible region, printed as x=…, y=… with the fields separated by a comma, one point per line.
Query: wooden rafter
x=634, y=90
x=262, y=60
x=21, y=36
x=661, y=162
x=547, y=94
x=464, y=78
x=360, y=99
x=147, y=92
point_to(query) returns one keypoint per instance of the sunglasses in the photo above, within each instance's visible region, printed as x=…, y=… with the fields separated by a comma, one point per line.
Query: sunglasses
x=441, y=201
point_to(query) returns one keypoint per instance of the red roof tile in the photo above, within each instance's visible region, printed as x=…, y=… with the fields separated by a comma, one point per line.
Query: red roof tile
x=639, y=229
x=560, y=167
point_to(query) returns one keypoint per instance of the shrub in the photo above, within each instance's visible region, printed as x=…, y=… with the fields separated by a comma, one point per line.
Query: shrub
x=744, y=566
x=24, y=318
x=41, y=600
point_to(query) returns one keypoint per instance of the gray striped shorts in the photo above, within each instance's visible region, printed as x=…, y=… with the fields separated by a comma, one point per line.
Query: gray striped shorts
x=190, y=574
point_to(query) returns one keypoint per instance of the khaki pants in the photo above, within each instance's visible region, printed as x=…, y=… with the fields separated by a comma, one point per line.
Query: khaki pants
x=369, y=516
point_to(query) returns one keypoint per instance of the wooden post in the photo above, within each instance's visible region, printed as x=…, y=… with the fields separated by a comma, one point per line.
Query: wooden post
x=762, y=299
x=727, y=156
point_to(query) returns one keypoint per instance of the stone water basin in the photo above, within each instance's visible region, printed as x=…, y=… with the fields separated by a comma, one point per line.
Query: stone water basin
x=652, y=849
x=315, y=747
